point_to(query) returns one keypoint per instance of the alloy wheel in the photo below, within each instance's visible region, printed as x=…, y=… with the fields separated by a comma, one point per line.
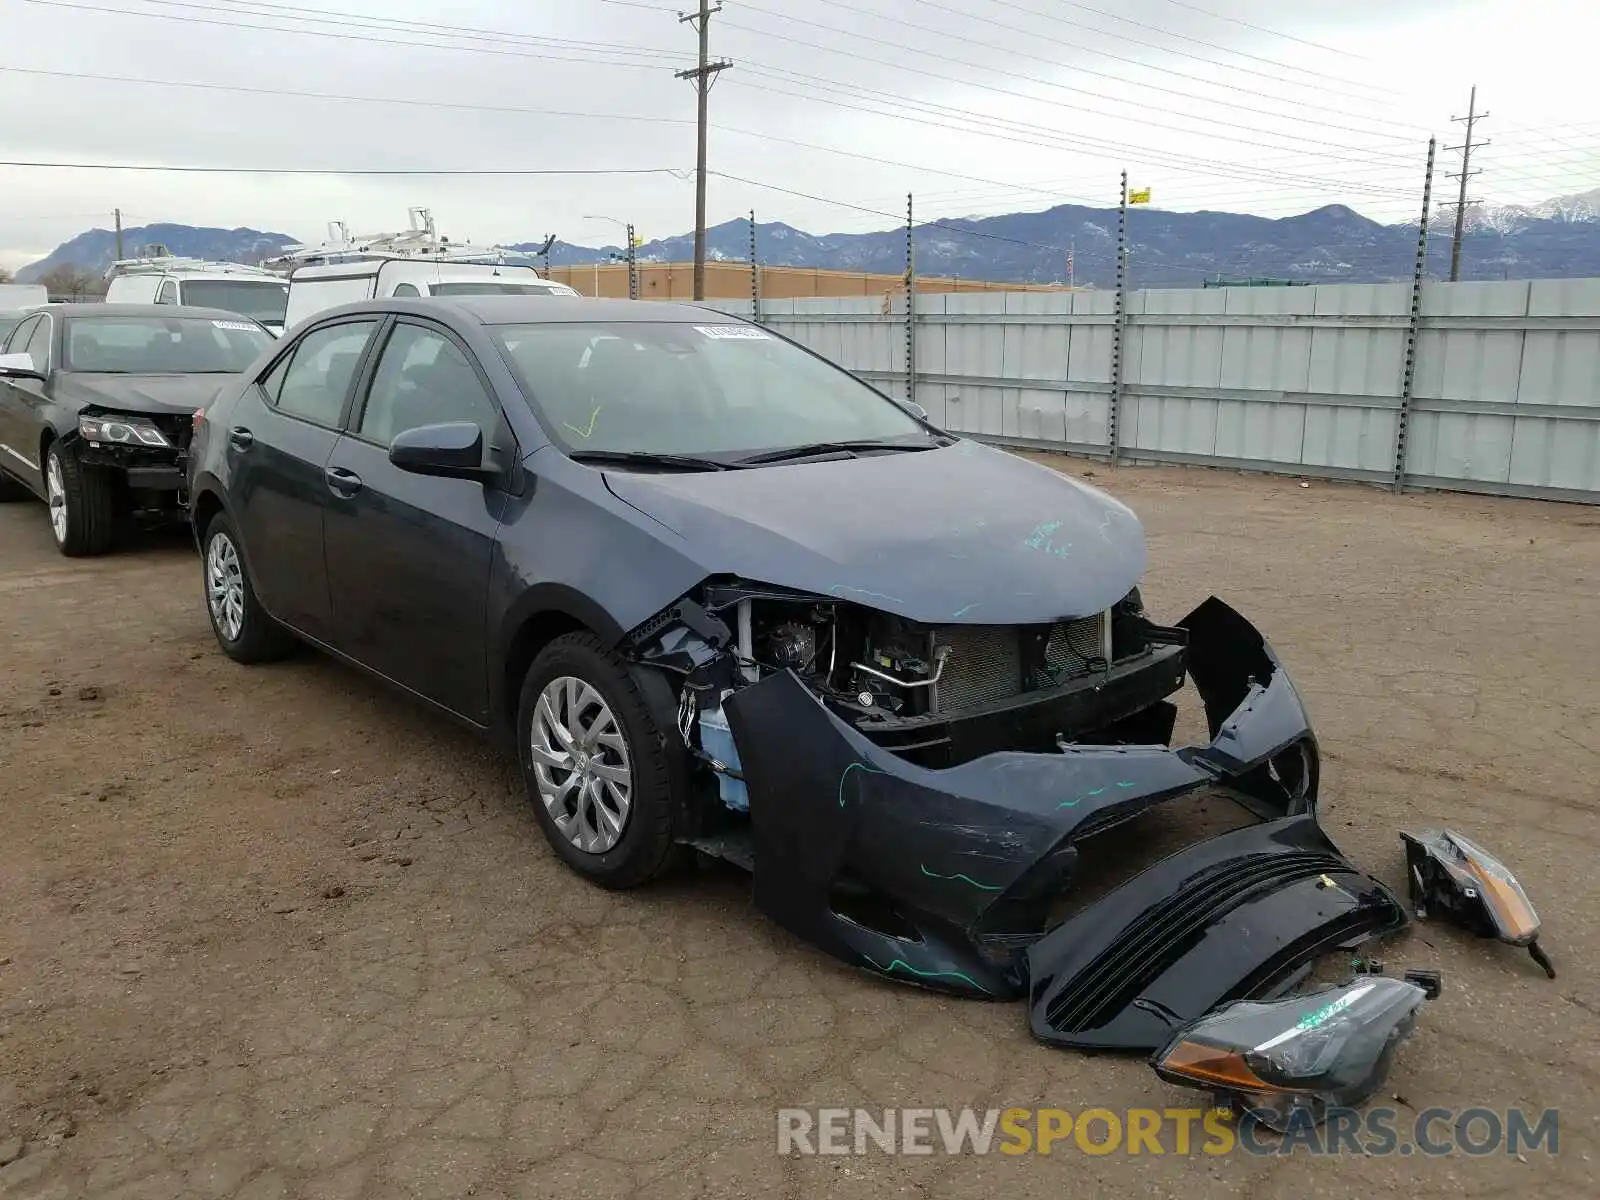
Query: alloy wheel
x=225, y=586
x=581, y=765
x=56, y=494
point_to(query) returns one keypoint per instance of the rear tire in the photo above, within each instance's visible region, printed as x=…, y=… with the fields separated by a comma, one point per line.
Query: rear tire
x=82, y=508
x=242, y=627
x=599, y=764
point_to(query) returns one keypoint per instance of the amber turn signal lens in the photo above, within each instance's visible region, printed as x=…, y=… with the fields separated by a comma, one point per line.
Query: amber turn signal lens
x=1213, y=1065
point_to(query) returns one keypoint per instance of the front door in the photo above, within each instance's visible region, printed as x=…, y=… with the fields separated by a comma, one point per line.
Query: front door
x=19, y=401
x=409, y=555
x=279, y=437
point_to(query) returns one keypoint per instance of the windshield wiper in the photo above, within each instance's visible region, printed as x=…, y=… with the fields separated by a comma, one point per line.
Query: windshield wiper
x=815, y=448
x=640, y=458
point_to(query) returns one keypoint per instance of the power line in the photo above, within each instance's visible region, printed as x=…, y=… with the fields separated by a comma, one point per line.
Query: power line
x=1193, y=41
x=356, y=171
x=1255, y=91
x=520, y=110
x=1141, y=119
x=1263, y=29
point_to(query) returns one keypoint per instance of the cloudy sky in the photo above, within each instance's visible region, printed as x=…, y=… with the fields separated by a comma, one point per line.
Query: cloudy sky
x=832, y=111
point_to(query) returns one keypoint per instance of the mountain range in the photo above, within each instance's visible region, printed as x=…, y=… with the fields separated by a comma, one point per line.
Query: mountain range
x=1334, y=244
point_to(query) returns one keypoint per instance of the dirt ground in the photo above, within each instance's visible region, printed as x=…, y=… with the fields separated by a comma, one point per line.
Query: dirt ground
x=276, y=932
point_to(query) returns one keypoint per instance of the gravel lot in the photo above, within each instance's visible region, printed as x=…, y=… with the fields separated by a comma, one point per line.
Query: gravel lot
x=275, y=932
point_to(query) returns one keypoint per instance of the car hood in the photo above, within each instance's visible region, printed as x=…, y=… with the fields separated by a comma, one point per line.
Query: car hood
x=963, y=534
x=155, y=394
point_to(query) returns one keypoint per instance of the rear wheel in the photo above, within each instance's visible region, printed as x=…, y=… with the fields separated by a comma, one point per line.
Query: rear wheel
x=597, y=764
x=244, y=631
x=82, y=510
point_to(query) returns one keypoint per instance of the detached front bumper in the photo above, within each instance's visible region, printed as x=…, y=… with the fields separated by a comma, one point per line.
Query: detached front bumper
x=944, y=878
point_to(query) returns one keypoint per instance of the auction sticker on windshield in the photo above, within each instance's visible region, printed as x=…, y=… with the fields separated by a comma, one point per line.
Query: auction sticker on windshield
x=733, y=331
x=244, y=326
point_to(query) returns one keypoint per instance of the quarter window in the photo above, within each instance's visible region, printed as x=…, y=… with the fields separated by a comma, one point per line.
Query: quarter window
x=318, y=378
x=168, y=293
x=39, y=344
x=407, y=289
x=423, y=378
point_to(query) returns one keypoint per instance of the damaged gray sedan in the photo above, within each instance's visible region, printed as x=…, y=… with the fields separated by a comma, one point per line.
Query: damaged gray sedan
x=721, y=595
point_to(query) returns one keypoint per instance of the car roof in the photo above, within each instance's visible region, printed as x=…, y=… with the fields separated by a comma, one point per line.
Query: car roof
x=568, y=310
x=72, y=311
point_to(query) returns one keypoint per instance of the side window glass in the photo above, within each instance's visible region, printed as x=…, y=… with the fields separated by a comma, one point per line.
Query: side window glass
x=318, y=377
x=407, y=289
x=423, y=378
x=18, y=341
x=39, y=344
x=168, y=293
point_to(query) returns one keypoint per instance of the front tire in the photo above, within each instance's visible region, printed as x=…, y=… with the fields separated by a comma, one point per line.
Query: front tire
x=82, y=511
x=242, y=627
x=597, y=763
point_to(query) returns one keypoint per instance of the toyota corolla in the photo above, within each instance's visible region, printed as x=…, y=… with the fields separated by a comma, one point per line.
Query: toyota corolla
x=721, y=595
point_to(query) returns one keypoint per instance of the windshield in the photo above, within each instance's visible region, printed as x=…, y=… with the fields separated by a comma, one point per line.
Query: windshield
x=162, y=345
x=489, y=287
x=692, y=389
x=261, y=299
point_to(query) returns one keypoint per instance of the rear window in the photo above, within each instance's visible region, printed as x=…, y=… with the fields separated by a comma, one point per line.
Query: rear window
x=489, y=288
x=162, y=345
x=263, y=300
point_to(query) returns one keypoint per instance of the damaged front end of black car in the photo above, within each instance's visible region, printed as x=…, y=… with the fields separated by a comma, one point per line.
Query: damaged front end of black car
x=917, y=800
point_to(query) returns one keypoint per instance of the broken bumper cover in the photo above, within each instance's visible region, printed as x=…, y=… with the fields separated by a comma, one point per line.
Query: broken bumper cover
x=943, y=878
x=1233, y=918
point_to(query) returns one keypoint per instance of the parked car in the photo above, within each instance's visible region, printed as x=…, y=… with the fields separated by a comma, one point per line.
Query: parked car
x=252, y=292
x=719, y=593
x=314, y=289
x=97, y=406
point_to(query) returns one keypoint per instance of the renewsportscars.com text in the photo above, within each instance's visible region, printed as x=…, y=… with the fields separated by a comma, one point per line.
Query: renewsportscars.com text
x=1433, y=1132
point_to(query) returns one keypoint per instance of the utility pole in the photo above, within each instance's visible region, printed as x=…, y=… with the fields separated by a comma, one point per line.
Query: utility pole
x=118, y=214
x=1467, y=147
x=703, y=75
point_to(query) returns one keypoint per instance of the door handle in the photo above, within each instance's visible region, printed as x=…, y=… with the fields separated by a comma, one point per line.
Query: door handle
x=241, y=438
x=341, y=482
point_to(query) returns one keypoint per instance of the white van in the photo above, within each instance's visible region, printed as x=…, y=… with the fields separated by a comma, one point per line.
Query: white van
x=250, y=291
x=315, y=288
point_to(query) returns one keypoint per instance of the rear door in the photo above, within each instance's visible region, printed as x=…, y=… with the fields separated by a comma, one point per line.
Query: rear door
x=279, y=437
x=408, y=555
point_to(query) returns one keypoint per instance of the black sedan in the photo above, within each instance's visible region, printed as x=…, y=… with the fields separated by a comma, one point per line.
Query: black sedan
x=719, y=593
x=97, y=404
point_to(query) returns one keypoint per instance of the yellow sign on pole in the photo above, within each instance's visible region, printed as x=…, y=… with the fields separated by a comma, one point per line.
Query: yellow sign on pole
x=1142, y=196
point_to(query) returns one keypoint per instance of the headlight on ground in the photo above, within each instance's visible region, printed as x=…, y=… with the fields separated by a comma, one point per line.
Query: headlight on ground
x=121, y=431
x=1331, y=1047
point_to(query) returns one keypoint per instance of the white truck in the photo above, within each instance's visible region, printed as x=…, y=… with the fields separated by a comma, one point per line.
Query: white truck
x=413, y=262
x=253, y=292
x=312, y=289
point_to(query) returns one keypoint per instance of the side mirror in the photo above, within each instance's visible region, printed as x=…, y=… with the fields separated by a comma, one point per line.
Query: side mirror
x=19, y=366
x=453, y=450
x=915, y=409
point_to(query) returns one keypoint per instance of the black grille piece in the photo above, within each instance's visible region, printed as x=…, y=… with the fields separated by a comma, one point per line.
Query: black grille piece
x=1235, y=917
x=1113, y=979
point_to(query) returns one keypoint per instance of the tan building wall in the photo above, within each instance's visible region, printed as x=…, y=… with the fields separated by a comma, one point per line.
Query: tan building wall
x=731, y=281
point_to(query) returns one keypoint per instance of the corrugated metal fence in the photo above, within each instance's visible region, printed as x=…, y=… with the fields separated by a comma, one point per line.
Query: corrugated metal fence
x=1504, y=396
